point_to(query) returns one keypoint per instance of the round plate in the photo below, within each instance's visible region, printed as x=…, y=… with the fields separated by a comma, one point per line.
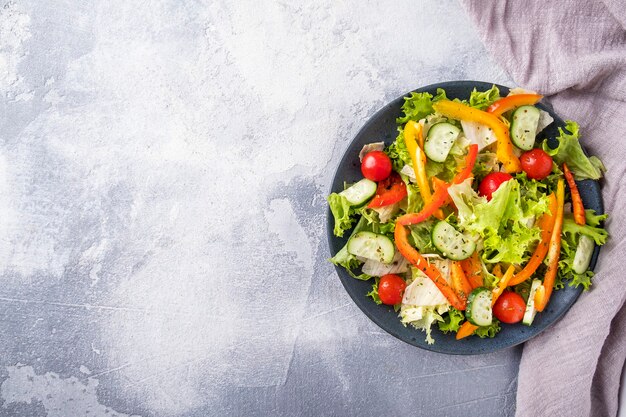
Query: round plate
x=382, y=126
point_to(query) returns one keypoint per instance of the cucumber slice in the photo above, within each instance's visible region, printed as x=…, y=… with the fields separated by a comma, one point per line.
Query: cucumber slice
x=524, y=126
x=372, y=246
x=441, y=137
x=583, y=254
x=452, y=244
x=359, y=192
x=478, y=309
x=530, y=313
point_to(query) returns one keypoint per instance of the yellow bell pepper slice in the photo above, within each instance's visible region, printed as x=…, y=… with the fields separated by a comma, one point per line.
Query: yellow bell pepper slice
x=460, y=111
x=413, y=133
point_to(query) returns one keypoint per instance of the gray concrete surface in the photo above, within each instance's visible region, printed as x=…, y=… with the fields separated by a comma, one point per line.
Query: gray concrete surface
x=163, y=171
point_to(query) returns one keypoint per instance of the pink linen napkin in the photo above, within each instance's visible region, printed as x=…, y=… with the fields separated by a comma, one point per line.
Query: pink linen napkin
x=574, y=52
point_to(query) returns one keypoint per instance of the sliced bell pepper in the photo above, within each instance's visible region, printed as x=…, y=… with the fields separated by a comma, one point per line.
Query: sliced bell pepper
x=467, y=328
x=546, y=224
x=505, y=104
x=504, y=151
x=437, y=185
x=441, y=194
x=473, y=270
x=459, y=280
x=413, y=256
x=577, y=202
x=412, y=132
x=554, y=251
x=389, y=191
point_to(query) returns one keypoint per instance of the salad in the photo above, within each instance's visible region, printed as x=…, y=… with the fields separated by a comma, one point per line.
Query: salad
x=468, y=220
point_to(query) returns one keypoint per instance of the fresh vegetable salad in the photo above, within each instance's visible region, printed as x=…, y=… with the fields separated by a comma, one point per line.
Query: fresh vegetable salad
x=467, y=221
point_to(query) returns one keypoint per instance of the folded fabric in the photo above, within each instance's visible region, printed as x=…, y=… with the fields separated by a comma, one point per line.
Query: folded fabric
x=574, y=52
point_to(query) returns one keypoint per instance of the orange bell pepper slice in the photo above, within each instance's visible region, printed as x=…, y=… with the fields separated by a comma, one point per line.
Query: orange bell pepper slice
x=504, y=151
x=473, y=270
x=417, y=260
x=459, y=280
x=553, y=252
x=577, y=202
x=499, y=107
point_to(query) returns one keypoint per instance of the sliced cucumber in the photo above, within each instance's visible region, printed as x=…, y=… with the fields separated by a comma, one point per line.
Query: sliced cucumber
x=441, y=137
x=584, y=251
x=359, y=192
x=531, y=311
x=478, y=309
x=451, y=243
x=372, y=246
x=524, y=124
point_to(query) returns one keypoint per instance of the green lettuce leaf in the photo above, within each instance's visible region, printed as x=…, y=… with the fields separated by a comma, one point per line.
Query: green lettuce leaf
x=570, y=152
x=416, y=107
x=483, y=99
x=488, y=331
x=374, y=292
x=452, y=321
x=422, y=236
x=398, y=153
x=342, y=212
x=503, y=222
x=569, y=243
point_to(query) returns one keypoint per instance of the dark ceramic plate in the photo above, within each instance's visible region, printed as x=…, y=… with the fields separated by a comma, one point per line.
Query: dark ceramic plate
x=382, y=126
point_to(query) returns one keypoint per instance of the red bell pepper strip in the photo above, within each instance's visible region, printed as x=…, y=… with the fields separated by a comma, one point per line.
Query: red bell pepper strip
x=553, y=252
x=441, y=194
x=546, y=224
x=577, y=202
x=505, y=104
x=467, y=328
x=413, y=256
x=389, y=191
x=504, y=151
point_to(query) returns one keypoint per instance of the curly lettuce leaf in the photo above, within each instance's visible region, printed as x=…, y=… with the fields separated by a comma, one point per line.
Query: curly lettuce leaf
x=422, y=237
x=503, y=223
x=452, y=321
x=398, y=153
x=482, y=99
x=570, y=152
x=342, y=212
x=488, y=331
x=374, y=292
x=416, y=107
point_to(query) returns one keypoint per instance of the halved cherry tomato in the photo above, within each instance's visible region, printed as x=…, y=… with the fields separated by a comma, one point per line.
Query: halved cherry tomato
x=492, y=182
x=376, y=166
x=537, y=164
x=509, y=308
x=391, y=289
x=389, y=191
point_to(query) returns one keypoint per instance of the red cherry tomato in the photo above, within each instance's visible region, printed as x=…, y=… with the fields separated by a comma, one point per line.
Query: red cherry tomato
x=536, y=164
x=509, y=308
x=491, y=183
x=376, y=166
x=390, y=289
x=389, y=191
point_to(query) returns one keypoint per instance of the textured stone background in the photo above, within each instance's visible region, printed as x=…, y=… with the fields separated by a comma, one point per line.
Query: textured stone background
x=163, y=172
